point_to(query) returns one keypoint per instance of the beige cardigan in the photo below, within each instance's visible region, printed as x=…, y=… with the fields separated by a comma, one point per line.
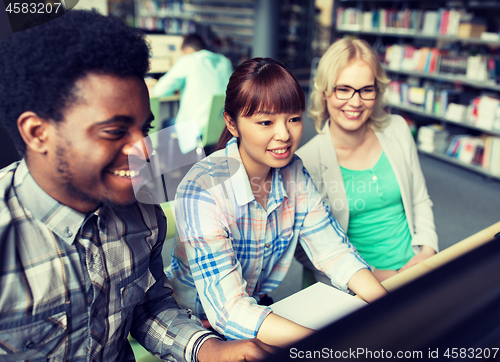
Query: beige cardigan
x=320, y=159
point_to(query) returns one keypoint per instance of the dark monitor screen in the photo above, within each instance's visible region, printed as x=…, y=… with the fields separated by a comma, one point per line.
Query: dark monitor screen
x=451, y=313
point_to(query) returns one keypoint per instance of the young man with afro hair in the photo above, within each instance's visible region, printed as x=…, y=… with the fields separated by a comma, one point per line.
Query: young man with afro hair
x=80, y=260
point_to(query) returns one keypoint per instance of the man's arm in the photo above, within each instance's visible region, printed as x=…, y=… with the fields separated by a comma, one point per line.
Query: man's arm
x=172, y=81
x=167, y=330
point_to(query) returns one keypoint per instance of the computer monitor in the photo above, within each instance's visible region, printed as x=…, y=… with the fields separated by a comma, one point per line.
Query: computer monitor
x=451, y=313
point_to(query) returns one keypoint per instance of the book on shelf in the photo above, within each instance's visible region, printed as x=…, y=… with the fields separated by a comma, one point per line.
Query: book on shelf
x=482, y=151
x=430, y=25
x=477, y=67
x=431, y=138
x=456, y=112
x=484, y=112
x=494, y=161
x=443, y=21
x=429, y=99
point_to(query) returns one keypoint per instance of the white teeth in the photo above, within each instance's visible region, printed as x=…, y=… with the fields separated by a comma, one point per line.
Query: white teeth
x=352, y=114
x=125, y=173
x=279, y=152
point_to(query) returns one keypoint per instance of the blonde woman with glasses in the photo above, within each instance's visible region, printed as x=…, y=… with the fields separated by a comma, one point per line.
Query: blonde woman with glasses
x=364, y=162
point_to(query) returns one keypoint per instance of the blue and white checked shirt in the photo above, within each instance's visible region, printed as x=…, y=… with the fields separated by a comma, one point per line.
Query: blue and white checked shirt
x=72, y=286
x=229, y=249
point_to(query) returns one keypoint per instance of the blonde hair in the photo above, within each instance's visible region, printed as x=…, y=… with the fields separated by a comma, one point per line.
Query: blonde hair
x=336, y=58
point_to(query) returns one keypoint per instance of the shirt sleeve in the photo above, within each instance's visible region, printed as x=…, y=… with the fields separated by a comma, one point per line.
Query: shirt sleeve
x=173, y=80
x=323, y=238
x=204, y=231
x=158, y=323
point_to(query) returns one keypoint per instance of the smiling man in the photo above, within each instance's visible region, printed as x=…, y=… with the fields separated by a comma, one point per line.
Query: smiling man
x=80, y=261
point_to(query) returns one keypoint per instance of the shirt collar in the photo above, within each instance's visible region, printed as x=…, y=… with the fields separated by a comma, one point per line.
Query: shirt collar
x=239, y=181
x=62, y=220
x=241, y=184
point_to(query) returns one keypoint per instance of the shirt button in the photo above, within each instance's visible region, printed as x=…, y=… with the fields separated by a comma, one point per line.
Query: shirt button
x=68, y=232
x=268, y=245
x=374, y=178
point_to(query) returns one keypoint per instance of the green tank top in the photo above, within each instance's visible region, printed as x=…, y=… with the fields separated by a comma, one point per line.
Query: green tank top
x=377, y=222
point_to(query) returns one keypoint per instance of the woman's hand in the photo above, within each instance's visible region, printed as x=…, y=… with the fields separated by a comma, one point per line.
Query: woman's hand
x=424, y=253
x=244, y=350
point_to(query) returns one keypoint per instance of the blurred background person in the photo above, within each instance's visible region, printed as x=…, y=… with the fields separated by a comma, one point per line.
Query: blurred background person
x=199, y=75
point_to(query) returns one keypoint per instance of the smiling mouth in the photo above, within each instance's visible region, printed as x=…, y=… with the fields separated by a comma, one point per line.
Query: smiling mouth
x=125, y=173
x=352, y=113
x=280, y=151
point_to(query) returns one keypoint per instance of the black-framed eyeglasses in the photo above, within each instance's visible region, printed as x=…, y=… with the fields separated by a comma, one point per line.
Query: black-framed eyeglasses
x=344, y=92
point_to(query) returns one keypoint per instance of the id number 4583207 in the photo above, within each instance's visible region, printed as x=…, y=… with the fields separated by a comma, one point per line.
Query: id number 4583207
x=33, y=8
x=471, y=352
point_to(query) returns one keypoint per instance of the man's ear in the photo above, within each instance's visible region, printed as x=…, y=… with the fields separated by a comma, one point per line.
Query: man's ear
x=231, y=125
x=34, y=130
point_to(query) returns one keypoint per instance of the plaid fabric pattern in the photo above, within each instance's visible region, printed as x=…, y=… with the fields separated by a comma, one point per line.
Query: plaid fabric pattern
x=74, y=285
x=229, y=249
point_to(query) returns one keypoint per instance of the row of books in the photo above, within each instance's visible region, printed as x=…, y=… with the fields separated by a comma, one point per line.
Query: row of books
x=168, y=25
x=482, y=151
x=445, y=22
x=160, y=8
x=480, y=67
x=433, y=99
x=482, y=111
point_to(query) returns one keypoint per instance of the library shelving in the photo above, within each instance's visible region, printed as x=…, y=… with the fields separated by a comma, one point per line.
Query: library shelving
x=443, y=59
x=228, y=25
x=297, y=24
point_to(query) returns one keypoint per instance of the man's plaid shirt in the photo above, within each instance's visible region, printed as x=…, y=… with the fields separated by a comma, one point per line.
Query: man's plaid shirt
x=72, y=286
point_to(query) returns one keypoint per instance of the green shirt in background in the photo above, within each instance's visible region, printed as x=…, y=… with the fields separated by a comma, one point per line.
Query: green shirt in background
x=377, y=222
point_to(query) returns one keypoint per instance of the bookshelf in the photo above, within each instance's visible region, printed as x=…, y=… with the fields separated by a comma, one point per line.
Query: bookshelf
x=226, y=25
x=297, y=24
x=229, y=25
x=443, y=59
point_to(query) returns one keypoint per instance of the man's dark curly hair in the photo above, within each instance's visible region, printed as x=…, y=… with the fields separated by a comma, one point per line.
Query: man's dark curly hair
x=39, y=66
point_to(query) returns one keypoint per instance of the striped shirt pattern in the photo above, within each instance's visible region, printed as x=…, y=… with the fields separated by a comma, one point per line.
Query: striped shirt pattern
x=74, y=285
x=229, y=249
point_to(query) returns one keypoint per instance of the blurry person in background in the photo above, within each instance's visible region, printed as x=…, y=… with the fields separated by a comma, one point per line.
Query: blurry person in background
x=199, y=75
